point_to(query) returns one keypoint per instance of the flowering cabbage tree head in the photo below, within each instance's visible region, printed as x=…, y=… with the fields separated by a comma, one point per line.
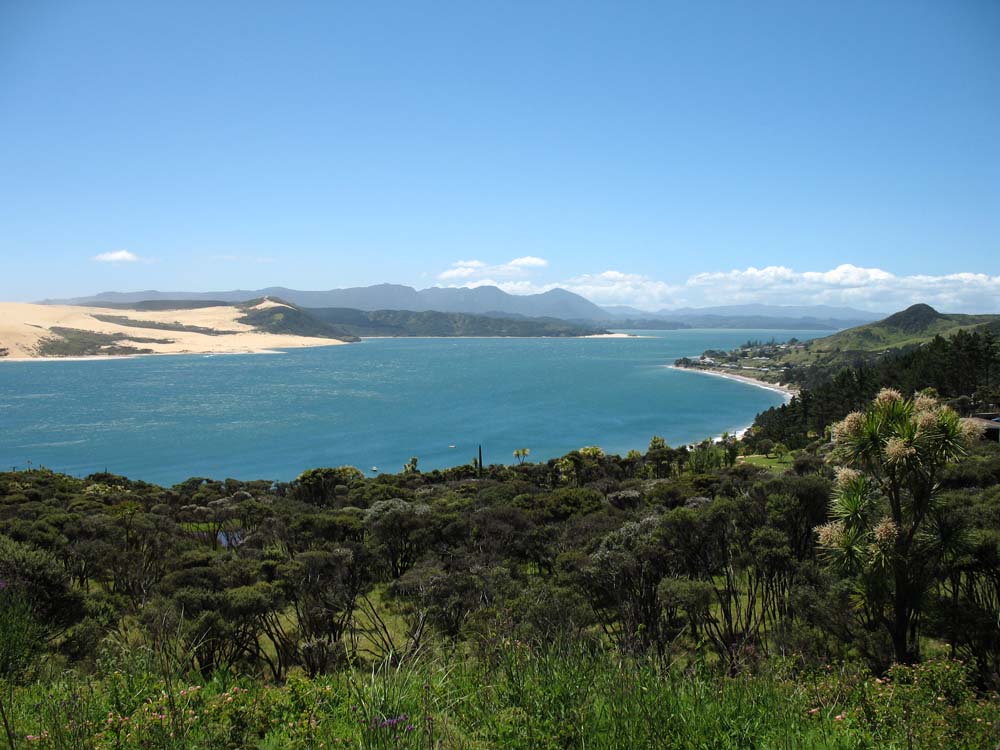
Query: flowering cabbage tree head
x=897, y=434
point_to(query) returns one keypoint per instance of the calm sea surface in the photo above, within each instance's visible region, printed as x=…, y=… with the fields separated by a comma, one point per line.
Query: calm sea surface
x=163, y=419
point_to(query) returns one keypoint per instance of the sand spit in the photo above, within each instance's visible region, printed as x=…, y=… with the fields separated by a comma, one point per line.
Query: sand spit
x=24, y=326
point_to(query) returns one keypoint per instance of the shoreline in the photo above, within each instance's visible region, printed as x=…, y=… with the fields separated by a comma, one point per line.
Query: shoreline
x=786, y=391
x=142, y=355
x=588, y=336
x=282, y=349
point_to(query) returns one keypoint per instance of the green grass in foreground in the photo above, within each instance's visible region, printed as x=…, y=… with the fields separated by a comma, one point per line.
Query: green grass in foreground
x=509, y=696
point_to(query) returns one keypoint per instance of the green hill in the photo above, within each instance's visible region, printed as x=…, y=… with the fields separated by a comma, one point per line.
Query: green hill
x=908, y=328
x=806, y=364
x=914, y=325
x=288, y=319
x=431, y=323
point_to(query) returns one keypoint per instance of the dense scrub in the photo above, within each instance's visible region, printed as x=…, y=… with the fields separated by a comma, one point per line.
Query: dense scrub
x=676, y=598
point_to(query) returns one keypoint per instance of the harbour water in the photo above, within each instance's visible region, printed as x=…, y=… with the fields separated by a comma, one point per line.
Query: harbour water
x=377, y=403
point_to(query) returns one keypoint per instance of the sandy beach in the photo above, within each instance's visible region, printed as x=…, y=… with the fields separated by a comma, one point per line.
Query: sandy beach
x=23, y=327
x=784, y=390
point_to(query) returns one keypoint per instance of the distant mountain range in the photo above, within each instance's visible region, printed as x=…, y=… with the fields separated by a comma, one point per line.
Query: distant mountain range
x=491, y=301
x=483, y=300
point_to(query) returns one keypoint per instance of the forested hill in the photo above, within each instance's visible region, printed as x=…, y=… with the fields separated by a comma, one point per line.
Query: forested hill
x=964, y=369
x=432, y=323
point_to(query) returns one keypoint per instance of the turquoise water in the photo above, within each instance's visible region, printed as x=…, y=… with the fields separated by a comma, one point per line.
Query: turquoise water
x=163, y=419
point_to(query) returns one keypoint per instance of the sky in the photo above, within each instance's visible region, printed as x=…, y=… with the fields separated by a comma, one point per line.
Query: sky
x=654, y=154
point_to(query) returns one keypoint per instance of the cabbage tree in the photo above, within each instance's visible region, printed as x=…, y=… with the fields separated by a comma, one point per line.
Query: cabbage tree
x=881, y=533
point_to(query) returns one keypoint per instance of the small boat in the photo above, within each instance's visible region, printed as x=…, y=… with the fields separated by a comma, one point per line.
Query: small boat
x=375, y=469
x=451, y=446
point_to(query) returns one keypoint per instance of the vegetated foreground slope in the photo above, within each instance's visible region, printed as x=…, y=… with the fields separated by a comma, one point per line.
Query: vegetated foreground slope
x=593, y=601
x=680, y=597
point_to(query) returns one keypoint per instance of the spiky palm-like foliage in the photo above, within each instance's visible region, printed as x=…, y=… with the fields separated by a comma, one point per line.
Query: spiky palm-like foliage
x=880, y=534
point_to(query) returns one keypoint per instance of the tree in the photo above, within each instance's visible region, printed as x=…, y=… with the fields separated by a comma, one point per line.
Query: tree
x=397, y=529
x=893, y=454
x=765, y=446
x=731, y=446
x=319, y=486
x=521, y=453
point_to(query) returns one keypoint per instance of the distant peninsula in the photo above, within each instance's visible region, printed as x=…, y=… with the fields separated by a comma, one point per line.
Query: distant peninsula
x=42, y=331
x=799, y=364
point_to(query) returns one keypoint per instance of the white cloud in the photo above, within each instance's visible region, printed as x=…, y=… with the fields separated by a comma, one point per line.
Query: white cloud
x=618, y=288
x=116, y=256
x=869, y=288
x=476, y=272
x=460, y=270
x=528, y=261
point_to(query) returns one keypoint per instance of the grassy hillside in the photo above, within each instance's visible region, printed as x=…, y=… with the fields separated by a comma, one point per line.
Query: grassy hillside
x=911, y=327
x=431, y=323
x=811, y=362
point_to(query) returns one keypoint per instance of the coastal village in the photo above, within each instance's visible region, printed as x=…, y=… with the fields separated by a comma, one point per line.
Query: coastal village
x=754, y=359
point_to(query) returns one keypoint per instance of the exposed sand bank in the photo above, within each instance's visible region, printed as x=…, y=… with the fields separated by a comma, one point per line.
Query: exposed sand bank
x=24, y=326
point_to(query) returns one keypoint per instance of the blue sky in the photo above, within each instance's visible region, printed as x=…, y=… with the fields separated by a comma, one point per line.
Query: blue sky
x=656, y=154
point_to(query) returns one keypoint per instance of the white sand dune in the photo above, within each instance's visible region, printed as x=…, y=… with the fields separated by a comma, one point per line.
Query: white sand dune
x=24, y=326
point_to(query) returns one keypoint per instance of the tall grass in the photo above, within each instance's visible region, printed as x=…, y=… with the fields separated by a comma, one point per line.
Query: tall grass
x=509, y=696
